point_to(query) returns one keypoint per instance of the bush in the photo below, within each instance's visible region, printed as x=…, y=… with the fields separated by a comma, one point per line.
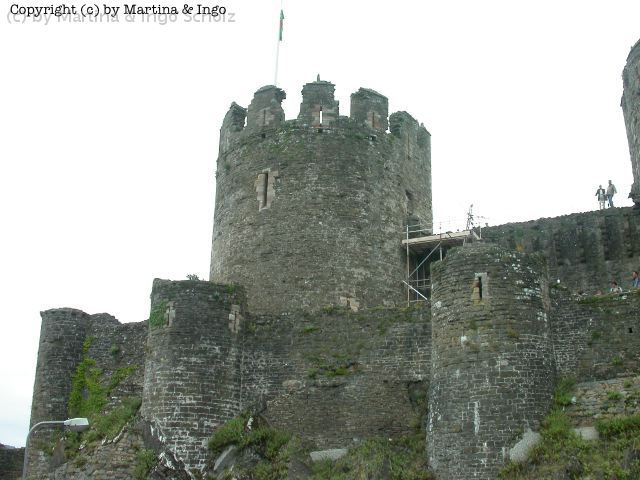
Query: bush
x=146, y=459
x=618, y=426
x=564, y=392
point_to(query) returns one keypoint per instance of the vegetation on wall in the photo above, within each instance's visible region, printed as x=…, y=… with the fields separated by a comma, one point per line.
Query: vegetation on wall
x=400, y=459
x=562, y=453
x=156, y=317
x=89, y=397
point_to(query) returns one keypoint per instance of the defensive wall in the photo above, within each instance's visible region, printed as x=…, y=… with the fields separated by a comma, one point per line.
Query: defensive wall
x=364, y=373
x=11, y=462
x=584, y=251
x=308, y=211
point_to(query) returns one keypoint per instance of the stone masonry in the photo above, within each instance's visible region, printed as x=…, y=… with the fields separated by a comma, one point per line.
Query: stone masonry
x=631, y=108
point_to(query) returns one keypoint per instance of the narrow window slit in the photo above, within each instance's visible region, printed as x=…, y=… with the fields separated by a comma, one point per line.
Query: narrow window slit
x=265, y=182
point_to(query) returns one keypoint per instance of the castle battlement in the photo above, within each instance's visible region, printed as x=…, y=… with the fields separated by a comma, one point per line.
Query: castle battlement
x=319, y=111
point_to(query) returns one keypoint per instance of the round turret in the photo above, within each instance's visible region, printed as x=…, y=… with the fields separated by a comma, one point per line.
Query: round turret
x=492, y=367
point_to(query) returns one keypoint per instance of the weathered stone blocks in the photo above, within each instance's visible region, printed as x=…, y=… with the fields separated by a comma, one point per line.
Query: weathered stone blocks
x=492, y=368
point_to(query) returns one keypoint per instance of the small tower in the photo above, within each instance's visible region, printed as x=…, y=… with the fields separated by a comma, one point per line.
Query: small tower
x=492, y=364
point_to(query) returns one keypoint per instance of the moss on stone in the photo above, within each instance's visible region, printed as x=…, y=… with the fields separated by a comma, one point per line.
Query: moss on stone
x=156, y=317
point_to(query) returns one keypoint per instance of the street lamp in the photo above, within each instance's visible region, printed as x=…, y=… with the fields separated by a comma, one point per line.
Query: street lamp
x=73, y=424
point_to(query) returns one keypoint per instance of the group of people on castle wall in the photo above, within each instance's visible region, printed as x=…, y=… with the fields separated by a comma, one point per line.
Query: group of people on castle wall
x=606, y=195
x=615, y=288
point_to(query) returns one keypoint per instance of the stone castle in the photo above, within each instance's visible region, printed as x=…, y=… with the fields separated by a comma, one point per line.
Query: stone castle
x=312, y=315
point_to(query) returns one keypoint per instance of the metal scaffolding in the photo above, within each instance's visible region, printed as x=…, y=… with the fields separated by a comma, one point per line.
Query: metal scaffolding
x=421, y=246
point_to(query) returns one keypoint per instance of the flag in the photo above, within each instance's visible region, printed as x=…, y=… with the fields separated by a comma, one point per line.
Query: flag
x=281, y=25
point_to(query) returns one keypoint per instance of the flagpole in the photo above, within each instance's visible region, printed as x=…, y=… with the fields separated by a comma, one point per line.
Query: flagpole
x=275, y=80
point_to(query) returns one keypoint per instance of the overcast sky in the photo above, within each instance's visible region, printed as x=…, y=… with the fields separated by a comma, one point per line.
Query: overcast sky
x=110, y=132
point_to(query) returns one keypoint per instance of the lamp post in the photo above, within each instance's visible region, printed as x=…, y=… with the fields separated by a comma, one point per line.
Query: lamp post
x=73, y=424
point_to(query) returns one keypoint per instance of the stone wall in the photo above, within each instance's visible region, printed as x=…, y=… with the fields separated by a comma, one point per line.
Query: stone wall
x=329, y=377
x=308, y=216
x=603, y=399
x=631, y=109
x=62, y=337
x=492, y=371
x=11, y=462
x=596, y=337
x=585, y=251
x=333, y=377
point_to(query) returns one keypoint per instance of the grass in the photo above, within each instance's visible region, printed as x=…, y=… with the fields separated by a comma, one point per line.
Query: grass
x=614, y=396
x=402, y=459
x=235, y=432
x=145, y=460
x=271, y=444
x=561, y=453
x=564, y=392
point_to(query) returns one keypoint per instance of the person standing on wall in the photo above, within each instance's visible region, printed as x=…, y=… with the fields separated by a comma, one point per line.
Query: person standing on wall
x=602, y=196
x=611, y=191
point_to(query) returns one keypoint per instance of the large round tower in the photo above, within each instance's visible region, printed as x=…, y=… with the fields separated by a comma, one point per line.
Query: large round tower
x=309, y=213
x=631, y=109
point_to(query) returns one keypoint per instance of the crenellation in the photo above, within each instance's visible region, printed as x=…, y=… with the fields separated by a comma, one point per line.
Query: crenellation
x=232, y=125
x=265, y=110
x=370, y=108
x=318, y=107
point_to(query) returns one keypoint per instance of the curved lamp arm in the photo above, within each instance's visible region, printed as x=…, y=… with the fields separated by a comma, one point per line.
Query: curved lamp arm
x=74, y=424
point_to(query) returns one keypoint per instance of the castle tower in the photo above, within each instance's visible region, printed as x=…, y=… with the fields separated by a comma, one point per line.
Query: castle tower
x=191, y=378
x=492, y=368
x=309, y=212
x=631, y=108
x=62, y=335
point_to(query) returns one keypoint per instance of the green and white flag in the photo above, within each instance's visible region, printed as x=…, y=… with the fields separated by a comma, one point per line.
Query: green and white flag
x=281, y=25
